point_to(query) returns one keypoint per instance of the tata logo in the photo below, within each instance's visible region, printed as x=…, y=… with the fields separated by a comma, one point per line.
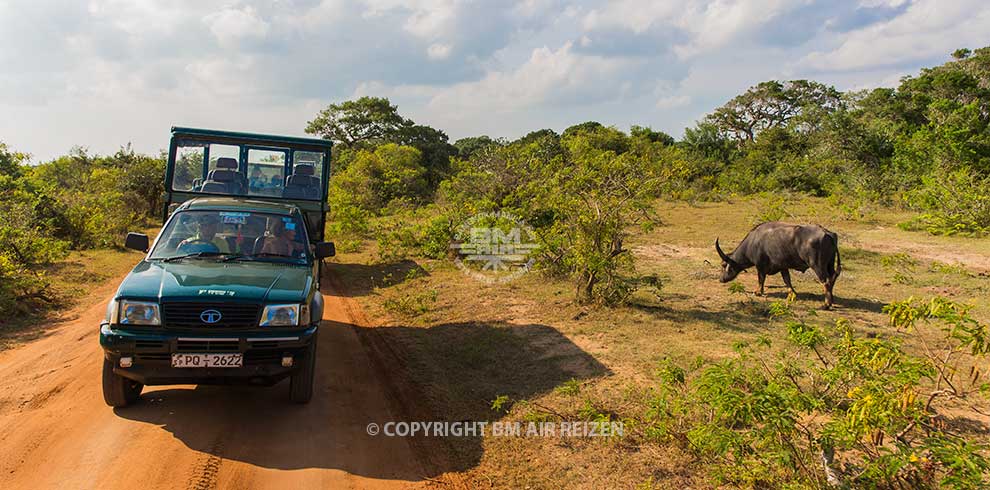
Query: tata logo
x=210, y=316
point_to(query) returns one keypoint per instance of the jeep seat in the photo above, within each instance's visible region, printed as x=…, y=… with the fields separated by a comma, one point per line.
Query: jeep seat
x=302, y=183
x=227, y=171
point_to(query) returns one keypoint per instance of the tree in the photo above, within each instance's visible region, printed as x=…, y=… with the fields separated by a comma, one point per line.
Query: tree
x=705, y=140
x=961, y=53
x=538, y=135
x=772, y=104
x=647, y=133
x=11, y=162
x=596, y=196
x=585, y=127
x=601, y=137
x=361, y=122
x=468, y=147
x=369, y=122
x=374, y=179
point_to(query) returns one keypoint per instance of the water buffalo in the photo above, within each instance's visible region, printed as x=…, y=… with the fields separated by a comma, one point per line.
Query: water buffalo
x=778, y=247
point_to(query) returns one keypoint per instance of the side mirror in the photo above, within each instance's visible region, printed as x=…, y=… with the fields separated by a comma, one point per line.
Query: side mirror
x=136, y=241
x=325, y=249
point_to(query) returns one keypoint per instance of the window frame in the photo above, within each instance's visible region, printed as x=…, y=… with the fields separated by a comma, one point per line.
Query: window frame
x=242, y=164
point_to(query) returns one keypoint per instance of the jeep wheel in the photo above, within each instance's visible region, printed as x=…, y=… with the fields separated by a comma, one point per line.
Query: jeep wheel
x=301, y=381
x=118, y=391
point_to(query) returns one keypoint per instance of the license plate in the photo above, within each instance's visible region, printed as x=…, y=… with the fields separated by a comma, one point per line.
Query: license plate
x=207, y=360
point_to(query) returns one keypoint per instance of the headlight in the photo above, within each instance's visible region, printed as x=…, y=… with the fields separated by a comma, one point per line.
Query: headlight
x=138, y=313
x=280, y=316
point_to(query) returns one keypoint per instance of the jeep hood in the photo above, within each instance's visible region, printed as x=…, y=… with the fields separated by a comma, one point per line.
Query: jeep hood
x=259, y=282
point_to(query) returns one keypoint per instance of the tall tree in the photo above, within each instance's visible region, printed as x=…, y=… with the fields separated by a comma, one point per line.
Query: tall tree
x=367, y=121
x=772, y=104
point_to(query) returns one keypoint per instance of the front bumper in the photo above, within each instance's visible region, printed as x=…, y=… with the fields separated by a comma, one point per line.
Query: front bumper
x=151, y=351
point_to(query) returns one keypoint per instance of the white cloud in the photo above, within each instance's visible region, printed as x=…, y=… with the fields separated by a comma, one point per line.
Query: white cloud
x=438, y=51
x=231, y=26
x=673, y=101
x=928, y=29
x=546, y=76
x=464, y=66
x=709, y=25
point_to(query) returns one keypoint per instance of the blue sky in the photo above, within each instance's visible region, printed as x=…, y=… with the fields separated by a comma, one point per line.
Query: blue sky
x=101, y=73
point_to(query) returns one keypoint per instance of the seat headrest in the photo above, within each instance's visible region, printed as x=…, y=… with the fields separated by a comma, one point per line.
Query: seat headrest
x=217, y=187
x=223, y=175
x=227, y=162
x=304, y=169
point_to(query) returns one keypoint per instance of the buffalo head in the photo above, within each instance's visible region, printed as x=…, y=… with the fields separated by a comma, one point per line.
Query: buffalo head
x=730, y=269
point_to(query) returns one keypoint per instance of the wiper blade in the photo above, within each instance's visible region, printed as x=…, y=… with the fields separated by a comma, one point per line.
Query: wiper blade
x=258, y=255
x=192, y=255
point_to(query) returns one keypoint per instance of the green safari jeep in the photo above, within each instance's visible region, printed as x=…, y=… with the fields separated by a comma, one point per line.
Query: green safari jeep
x=229, y=292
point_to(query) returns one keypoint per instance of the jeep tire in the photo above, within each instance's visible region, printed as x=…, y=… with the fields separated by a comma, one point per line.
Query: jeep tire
x=301, y=380
x=118, y=391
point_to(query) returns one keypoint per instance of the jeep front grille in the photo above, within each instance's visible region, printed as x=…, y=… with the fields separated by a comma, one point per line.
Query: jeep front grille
x=191, y=315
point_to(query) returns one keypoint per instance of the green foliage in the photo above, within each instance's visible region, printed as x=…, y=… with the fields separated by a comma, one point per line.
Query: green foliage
x=953, y=203
x=501, y=403
x=374, y=180
x=772, y=104
x=771, y=208
x=924, y=145
x=468, y=147
x=570, y=387
x=369, y=122
x=73, y=202
x=356, y=123
x=836, y=408
x=595, y=196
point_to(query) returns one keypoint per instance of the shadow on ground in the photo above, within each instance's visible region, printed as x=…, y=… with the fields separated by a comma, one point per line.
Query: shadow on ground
x=459, y=369
x=449, y=372
x=362, y=279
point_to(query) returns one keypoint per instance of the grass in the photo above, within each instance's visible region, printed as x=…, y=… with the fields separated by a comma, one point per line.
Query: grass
x=551, y=358
x=73, y=281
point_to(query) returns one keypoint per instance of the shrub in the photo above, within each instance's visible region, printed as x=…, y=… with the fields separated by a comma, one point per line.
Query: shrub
x=372, y=180
x=951, y=203
x=835, y=408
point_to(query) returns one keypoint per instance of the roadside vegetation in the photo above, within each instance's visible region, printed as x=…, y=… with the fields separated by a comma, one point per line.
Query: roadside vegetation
x=51, y=212
x=622, y=318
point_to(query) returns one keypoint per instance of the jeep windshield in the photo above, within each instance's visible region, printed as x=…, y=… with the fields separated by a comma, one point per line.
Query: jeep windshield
x=232, y=235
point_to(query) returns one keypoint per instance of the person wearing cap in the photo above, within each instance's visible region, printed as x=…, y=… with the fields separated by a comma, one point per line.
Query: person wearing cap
x=208, y=226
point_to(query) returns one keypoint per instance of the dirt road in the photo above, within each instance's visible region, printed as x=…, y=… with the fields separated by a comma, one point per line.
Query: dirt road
x=56, y=432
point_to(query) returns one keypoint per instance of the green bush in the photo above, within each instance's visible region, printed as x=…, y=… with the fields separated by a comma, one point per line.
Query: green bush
x=951, y=203
x=375, y=179
x=834, y=408
x=76, y=201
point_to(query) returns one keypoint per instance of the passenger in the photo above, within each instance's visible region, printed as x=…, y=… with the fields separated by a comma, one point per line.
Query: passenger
x=257, y=179
x=283, y=241
x=208, y=226
x=276, y=182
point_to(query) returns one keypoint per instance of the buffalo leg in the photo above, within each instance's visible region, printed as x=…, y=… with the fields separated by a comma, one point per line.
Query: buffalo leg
x=829, y=284
x=786, y=276
x=763, y=278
